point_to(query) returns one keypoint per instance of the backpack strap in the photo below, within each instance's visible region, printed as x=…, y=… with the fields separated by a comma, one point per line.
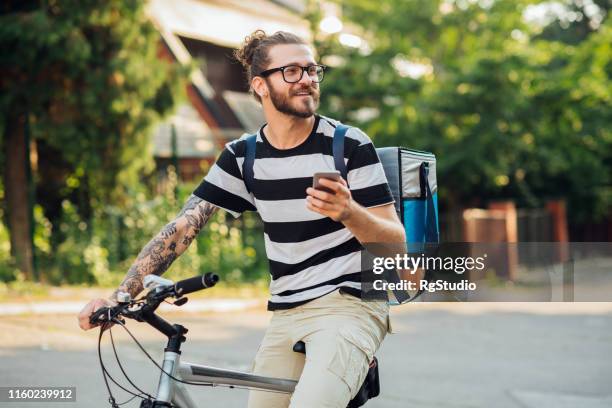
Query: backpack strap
x=338, y=149
x=249, y=161
x=432, y=234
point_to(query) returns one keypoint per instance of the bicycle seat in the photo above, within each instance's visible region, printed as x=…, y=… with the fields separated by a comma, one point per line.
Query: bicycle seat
x=300, y=347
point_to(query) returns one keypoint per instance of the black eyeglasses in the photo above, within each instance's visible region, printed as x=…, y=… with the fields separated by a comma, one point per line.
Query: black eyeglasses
x=294, y=73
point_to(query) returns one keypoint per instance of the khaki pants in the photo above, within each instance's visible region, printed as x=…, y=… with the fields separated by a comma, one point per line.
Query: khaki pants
x=341, y=333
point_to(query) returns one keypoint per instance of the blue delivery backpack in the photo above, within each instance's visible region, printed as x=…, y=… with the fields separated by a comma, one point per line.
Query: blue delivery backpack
x=411, y=175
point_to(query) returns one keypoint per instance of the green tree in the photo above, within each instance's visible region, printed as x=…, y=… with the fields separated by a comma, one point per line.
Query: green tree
x=510, y=110
x=85, y=81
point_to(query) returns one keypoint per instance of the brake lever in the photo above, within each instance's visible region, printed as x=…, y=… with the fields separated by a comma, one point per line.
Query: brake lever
x=95, y=318
x=108, y=314
x=180, y=301
x=159, y=294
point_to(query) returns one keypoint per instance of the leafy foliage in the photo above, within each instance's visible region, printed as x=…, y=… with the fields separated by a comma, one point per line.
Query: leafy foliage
x=89, y=78
x=511, y=109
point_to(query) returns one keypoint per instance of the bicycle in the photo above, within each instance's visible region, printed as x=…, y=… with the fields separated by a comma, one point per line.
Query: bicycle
x=174, y=373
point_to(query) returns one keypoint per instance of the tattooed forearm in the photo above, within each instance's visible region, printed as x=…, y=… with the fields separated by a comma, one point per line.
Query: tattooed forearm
x=196, y=213
x=168, y=230
x=190, y=205
x=157, y=256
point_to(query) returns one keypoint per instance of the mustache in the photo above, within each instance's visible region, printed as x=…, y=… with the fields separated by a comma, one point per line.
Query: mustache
x=310, y=90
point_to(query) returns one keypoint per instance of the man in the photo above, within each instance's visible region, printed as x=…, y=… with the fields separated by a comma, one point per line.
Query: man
x=312, y=237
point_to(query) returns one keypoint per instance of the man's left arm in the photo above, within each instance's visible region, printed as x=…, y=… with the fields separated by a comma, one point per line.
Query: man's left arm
x=378, y=224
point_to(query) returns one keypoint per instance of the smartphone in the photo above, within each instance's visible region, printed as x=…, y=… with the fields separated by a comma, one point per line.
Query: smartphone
x=332, y=175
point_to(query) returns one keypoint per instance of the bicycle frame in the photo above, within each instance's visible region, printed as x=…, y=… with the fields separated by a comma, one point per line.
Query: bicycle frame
x=171, y=391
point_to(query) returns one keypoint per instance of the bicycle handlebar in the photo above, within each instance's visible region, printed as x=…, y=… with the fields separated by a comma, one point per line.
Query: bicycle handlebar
x=153, y=299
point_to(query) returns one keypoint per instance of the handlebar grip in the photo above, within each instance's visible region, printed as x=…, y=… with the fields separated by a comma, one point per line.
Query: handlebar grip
x=196, y=283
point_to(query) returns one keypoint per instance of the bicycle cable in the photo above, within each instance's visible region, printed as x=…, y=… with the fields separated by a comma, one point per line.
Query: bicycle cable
x=155, y=362
x=110, y=331
x=106, y=373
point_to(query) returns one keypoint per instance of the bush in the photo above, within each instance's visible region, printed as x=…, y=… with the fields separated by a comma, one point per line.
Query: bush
x=8, y=271
x=102, y=250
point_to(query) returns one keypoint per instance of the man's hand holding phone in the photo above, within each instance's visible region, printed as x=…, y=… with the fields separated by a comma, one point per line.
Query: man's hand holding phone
x=330, y=196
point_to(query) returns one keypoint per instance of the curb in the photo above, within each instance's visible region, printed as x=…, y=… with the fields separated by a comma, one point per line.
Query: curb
x=48, y=308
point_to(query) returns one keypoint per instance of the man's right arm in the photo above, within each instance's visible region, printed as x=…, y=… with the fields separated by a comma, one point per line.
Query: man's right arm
x=157, y=256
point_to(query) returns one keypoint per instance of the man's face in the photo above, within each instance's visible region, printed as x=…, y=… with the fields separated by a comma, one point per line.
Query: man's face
x=299, y=99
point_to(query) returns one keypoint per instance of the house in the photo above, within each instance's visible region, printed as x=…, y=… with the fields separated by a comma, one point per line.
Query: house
x=219, y=107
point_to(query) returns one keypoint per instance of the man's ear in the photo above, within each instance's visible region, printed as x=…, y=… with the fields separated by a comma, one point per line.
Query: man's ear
x=259, y=86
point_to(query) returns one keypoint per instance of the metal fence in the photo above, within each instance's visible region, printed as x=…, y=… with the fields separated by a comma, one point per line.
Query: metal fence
x=533, y=225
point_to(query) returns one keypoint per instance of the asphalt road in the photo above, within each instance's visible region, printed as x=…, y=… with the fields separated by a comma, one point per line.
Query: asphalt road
x=451, y=355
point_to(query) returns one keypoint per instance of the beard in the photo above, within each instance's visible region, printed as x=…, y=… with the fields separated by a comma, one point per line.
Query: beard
x=293, y=105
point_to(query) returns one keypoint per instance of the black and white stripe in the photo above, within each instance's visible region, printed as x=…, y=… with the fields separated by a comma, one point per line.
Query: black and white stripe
x=309, y=254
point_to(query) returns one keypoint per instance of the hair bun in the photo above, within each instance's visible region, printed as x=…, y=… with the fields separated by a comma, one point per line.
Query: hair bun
x=245, y=53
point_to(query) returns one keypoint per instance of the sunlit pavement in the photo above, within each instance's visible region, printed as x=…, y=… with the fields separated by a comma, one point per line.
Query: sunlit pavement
x=520, y=355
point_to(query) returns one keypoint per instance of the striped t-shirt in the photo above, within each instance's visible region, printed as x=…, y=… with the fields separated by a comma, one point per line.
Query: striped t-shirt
x=309, y=254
